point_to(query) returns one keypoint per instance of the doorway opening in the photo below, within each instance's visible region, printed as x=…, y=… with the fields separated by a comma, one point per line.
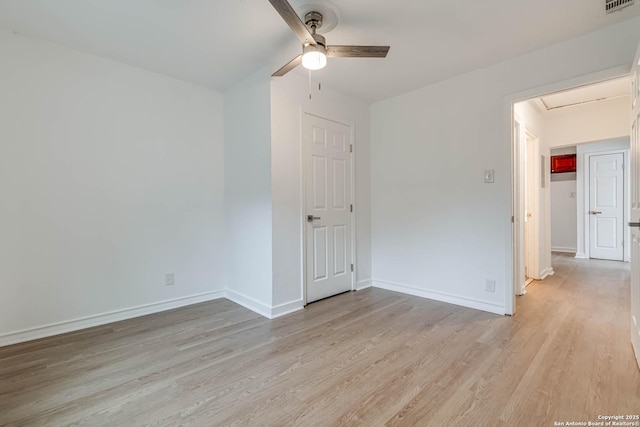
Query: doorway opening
x=592, y=120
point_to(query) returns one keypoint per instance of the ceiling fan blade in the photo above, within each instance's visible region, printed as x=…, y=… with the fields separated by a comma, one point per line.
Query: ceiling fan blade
x=293, y=20
x=357, y=51
x=288, y=67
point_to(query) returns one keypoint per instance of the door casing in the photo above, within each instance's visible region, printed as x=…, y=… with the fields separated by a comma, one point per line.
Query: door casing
x=635, y=206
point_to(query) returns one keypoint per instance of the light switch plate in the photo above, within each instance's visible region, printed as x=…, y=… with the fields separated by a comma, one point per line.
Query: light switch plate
x=169, y=279
x=488, y=176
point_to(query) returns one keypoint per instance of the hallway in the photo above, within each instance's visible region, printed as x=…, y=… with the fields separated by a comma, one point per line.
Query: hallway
x=584, y=363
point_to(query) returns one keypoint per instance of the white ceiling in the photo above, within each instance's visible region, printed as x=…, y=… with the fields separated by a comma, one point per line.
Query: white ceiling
x=216, y=43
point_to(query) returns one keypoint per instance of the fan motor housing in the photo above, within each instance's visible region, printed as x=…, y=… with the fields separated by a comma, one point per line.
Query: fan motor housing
x=320, y=46
x=313, y=20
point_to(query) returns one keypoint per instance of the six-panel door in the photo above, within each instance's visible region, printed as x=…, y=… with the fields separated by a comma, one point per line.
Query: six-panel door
x=327, y=155
x=606, y=206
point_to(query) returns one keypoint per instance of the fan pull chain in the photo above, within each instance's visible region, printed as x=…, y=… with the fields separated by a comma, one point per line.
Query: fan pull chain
x=311, y=86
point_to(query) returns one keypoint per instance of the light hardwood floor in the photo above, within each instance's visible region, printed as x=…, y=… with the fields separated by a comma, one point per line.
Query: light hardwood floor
x=368, y=358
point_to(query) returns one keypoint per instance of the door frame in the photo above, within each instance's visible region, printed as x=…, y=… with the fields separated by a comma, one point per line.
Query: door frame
x=303, y=199
x=513, y=245
x=633, y=205
x=626, y=197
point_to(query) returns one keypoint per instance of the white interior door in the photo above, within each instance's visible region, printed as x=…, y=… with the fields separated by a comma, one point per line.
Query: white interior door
x=635, y=207
x=519, y=138
x=527, y=211
x=606, y=206
x=327, y=159
x=532, y=183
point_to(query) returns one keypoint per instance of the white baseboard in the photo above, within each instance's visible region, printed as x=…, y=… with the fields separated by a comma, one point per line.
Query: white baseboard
x=546, y=273
x=563, y=249
x=287, y=308
x=248, y=302
x=104, y=318
x=261, y=308
x=143, y=310
x=364, y=284
x=581, y=255
x=441, y=296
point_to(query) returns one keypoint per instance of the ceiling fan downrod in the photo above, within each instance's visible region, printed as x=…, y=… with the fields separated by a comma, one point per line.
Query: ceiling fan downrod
x=313, y=20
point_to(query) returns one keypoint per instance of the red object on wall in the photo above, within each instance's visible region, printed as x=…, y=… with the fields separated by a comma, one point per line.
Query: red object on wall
x=564, y=163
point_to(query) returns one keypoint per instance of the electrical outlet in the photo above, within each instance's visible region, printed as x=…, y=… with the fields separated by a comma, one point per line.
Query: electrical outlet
x=169, y=279
x=490, y=285
x=488, y=176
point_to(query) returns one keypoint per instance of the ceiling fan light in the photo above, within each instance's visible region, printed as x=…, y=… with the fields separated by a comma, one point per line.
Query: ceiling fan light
x=314, y=58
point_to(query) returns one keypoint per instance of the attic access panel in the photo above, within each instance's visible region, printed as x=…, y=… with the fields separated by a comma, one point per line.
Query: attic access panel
x=563, y=163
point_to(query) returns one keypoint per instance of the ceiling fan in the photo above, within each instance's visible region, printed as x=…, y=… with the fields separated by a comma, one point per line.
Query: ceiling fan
x=314, y=46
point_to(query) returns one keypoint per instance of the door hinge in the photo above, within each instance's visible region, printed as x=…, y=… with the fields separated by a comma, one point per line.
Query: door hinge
x=351, y=148
x=512, y=219
x=351, y=267
x=351, y=208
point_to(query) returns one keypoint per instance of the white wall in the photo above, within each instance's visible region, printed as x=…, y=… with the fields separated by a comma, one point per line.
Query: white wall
x=564, y=235
x=438, y=230
x=263, y=187
x=110, y=177
x=289, y=101
x=595, y=121
x=247, y=177
x=534, y=120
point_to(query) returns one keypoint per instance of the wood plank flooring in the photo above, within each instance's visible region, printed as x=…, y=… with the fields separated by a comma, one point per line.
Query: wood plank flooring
x=368, y=358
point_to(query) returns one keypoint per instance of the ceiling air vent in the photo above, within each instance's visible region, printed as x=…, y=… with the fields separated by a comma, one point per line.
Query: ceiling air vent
x=614, y=5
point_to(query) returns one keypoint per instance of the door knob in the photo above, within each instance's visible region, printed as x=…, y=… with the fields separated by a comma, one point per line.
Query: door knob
x=311, y=218
x=595, y=212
